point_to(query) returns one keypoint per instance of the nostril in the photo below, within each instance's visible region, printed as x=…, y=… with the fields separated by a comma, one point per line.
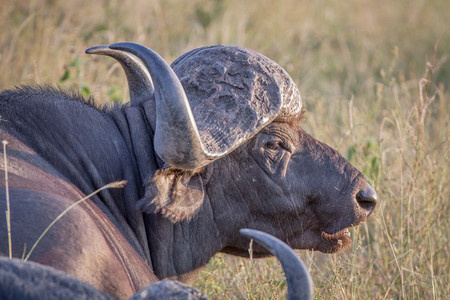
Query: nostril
x=367, y=198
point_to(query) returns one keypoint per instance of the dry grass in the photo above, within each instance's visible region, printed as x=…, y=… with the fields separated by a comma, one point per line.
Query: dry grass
x=363, y=74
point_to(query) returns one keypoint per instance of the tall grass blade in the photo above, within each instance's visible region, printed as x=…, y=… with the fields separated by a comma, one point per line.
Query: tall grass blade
x=116, y=184
x=8, y=207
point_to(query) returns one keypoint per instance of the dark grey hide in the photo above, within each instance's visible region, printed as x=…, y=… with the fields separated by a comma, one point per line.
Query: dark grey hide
x=31, y=281
x=207, y=148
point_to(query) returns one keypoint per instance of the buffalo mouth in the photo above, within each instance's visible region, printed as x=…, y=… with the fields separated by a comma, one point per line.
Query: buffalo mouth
x=334, y=242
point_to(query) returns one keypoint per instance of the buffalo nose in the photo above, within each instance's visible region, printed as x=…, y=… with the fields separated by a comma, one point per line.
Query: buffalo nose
x=367, y=198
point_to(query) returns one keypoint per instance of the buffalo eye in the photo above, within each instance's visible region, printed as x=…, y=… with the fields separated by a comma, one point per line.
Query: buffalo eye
x=276, y=157
x=274, y=145
x=277, y=144
x=276, y=150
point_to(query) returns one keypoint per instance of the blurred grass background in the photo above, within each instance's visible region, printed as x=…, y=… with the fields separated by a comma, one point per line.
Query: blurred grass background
x=374, y=77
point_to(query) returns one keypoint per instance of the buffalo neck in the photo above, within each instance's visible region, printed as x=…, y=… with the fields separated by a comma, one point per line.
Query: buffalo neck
x=175, y=248
x=134, y=127
x=182, y=247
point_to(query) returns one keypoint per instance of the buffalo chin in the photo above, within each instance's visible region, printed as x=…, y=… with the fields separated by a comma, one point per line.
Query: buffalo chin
x=332, y=243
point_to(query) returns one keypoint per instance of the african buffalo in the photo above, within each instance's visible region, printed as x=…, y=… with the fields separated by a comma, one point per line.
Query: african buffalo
x=209, y=146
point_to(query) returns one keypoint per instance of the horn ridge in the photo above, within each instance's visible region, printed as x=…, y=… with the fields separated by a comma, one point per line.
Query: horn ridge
x=139, y=81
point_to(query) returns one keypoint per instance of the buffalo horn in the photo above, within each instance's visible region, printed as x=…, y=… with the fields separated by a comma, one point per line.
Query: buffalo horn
x=139, y=80
x=299, y=281
x=177, y=140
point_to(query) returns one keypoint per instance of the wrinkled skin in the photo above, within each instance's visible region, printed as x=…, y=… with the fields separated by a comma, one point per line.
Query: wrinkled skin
x=167, y=221
x=287, y=162
x=272, y=185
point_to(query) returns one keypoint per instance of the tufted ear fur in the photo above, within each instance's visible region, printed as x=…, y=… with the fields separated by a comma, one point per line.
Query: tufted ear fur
x=176, y=194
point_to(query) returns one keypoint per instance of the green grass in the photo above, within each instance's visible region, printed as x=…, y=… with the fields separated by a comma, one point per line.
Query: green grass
x=359, y=66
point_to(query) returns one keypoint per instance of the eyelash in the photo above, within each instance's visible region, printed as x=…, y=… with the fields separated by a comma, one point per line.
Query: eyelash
x=273, y=145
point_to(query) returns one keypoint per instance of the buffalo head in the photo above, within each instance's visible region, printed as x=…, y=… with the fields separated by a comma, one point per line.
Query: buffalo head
x=227, y=126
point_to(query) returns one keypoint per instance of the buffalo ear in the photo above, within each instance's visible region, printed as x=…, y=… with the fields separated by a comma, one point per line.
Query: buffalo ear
x=176, y=194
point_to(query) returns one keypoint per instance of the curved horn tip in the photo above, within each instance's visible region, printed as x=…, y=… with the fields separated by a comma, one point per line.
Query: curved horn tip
x=95, y=49
x=299, y=282
x=136, y=49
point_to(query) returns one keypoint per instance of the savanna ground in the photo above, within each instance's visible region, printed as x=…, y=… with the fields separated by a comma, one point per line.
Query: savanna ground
x=374, y=77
